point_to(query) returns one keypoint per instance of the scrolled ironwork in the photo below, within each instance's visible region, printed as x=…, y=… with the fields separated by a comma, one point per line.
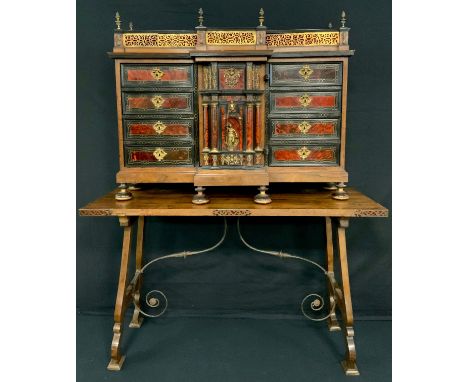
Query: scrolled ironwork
x=317, y=304
x=152, y=300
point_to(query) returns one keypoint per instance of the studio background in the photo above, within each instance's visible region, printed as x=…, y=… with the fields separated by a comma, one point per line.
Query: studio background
x=233, y=280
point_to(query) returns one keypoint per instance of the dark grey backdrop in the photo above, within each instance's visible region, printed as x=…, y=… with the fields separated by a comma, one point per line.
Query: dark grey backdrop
x=233, y=280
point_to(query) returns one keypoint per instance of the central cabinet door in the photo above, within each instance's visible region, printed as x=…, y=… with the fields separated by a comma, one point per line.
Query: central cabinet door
x=232, y=109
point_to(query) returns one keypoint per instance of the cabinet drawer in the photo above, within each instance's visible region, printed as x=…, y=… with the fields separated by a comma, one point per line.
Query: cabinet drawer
x=148, y=103
x=305, y=74
x=158, y=128
x=155, y=75
x=305, y=102
x=158, y=155
x=305, y=155
x=305, y=128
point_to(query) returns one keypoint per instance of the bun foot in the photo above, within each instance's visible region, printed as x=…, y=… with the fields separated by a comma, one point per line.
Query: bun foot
x=200, y=197
x=340, y=193
x=262, y=197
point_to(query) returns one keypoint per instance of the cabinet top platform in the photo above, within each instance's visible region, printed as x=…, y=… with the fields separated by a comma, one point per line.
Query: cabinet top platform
x=203, y=38
x=163, y=201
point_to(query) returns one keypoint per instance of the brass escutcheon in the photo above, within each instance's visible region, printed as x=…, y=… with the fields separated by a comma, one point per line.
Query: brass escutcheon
x=159, y=127
x=303, y=152
x=305, y=100
x=306, y=71
x=304, y=127
x=157, y=74
x=159, y=154
x=157, y=101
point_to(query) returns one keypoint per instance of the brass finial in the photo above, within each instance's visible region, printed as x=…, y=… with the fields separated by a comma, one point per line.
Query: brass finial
x=117, y=20
x=343, y=19
x=200, y=17
x=130, y=26
x=261, y=17
x=330, y=25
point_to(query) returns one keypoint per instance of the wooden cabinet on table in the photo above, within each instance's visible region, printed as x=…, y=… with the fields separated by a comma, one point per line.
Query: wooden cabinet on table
x=235, y=107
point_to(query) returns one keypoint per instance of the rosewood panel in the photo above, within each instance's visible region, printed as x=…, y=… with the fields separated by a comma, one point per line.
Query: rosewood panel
x=305, y=102
x=158, y=128
x=306, y=74
x=143, y=156
x=157, y=75
x=305, y=155
x=149, y=103
x=305, y=128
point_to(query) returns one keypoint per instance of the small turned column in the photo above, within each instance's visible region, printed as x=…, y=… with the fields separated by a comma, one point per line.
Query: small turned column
x=206, y=143
x=249, y=134
x=258, y=134
x=214, y=133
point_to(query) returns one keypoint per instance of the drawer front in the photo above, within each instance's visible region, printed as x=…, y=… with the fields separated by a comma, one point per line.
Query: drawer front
x=158, y=128
x=305, y=128
x=156, y=75
x=305, y=155
x=305, y=74
x=149, y=103
x=158, y=155
x=305, y=102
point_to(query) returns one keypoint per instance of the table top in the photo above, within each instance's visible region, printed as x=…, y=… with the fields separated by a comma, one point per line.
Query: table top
x=232, y=201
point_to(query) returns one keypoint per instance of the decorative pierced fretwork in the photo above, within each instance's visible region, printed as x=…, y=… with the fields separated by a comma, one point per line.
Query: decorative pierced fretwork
x=161, y=40
x=370, y=213
x=231, y=38
x=95, y=212
x=303, y=39
x=228, y=212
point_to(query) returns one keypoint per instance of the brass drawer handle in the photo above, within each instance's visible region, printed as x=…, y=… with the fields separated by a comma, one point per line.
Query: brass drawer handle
x=303, y=152
x=304, y=127
x=159, y=127
x=159, y=154
x=306, y=71
x=157, y=74
x=157, y=101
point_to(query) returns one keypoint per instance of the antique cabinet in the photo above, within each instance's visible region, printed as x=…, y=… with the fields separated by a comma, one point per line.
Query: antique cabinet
x=235, y=107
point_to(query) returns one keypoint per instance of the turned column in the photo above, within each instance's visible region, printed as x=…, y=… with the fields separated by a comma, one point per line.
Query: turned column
x=214, y=133
x=206, y=143
x=258, y=134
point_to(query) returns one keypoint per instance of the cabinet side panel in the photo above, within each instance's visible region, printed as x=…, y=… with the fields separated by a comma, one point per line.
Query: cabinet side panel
x=344, y=95
x=119, y=113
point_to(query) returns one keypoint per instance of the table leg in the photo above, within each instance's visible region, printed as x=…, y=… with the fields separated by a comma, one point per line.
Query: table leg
x=123, y=296
x=137, y=318
x=332, y=321
x=349, y=364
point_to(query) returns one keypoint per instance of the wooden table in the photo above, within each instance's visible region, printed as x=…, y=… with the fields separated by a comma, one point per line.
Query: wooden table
x=176, y=202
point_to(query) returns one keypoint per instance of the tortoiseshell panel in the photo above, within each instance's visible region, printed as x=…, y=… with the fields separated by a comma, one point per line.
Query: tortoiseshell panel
x=305, y=155
x=144, y=156
x=149, y=103
x=231, y=77
x=305, y=128
x=305, y=102
x=305, y=74
x=157, y=75
x=154, y=128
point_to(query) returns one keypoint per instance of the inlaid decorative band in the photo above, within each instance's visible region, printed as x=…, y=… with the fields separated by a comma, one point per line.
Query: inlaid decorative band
x=303, y=39
x=161, y=40
x=228, y=212
x=231, y=38
x=370, y=213
x=95, y=212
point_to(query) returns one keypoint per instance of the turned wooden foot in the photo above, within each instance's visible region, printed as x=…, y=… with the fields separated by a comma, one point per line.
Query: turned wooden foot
x=340, y=193
x=123, y=193
x=200, y=197
x=262, y=197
